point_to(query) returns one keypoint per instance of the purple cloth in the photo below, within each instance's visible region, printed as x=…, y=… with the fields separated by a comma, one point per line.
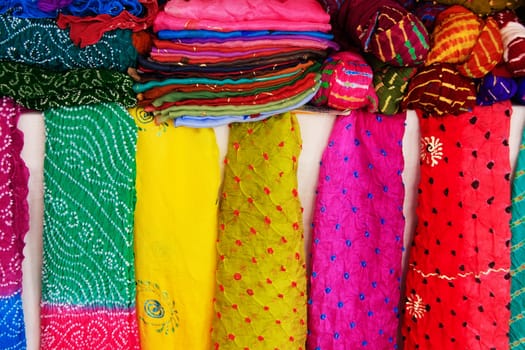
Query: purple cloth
x=357, y=239
x=53, y=5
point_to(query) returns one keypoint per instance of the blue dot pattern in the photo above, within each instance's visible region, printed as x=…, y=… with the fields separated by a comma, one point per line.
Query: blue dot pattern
x=357, y=225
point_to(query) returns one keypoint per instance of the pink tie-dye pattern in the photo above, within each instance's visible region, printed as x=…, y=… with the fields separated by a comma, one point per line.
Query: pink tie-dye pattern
x=88, y=328
x=357, y=237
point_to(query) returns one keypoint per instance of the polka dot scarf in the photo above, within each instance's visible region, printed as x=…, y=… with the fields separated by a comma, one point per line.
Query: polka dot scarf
x=261, y=285
x=357, y=237
x=458, y=281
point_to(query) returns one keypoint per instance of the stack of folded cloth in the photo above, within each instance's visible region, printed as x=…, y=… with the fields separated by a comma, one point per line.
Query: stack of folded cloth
x=212, y=63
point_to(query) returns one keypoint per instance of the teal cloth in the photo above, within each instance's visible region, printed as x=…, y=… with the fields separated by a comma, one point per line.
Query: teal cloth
x=517, y=255
x=42, y=43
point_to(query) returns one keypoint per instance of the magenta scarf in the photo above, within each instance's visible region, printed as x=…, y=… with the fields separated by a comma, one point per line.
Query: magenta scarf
x=14, y=223
x=357, y=237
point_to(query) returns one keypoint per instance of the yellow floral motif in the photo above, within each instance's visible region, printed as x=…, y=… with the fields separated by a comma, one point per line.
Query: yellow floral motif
x=431, y=150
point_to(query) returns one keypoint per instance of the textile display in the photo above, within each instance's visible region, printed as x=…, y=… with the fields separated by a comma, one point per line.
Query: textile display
x=89, y=30
x=385, y=29
x=260, y=298
x=463, y=38
x=40, y=89
x=458, y=280
x=88, y=275
x=14, y=224
x=517, y=268
x=175, y=233
x=357, y=235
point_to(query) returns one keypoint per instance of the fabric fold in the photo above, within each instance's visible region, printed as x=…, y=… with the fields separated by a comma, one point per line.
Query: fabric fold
x=88, y=275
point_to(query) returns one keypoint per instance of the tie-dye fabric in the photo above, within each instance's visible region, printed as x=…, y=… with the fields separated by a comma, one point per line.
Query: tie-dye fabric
x=517, y=227
x=14, y=223
x=260, y=298
x=88, y=282
x=357, y=238
x=458, y=280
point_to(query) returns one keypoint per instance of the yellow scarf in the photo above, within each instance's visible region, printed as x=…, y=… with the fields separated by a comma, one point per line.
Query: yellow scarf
x=177, y=183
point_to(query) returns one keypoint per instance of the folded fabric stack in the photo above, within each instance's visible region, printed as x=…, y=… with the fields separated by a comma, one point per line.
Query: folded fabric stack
x=213, y=63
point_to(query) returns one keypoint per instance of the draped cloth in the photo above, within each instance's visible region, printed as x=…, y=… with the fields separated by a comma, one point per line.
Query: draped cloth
x=42, y=43
x=175, y=234
x=517, y=257
x=40, y=89
x=88, y=276
x=458, y=281
x=357, y=238
x=260, y=298
x=14, y=224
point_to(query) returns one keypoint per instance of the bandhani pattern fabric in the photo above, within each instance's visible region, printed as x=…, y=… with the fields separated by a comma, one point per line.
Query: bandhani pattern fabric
x=178, y=180
x=455, y=34
x=346, y=83
x=40, y=89
x=14, y=224
x=88, y=275
x=458, y=280
x=42, y=43
x=385, y=29
x=260, y=298
x=357, y=237
x=513, y=37
x=517, y=253
x=395, y=36
x=390, y=84
x=440, y=90
x=486, y=53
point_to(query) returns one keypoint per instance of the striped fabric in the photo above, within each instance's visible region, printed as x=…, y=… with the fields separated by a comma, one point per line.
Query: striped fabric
x=513, y=36
x=486, y=53
x=391, y=85
x=454, y=36
x=395, y=36
x=346, y=83
x=517, y=254
x=439, y=90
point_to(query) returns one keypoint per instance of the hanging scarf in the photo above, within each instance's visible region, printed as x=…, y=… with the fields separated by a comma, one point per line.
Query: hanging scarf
x=458, y=281
x=357, y=237
x=14, y=224
x=260, y=299
x=175, y=233
x=41, y=89
x=88, y=279
x=41, y=43
x=517, y=226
